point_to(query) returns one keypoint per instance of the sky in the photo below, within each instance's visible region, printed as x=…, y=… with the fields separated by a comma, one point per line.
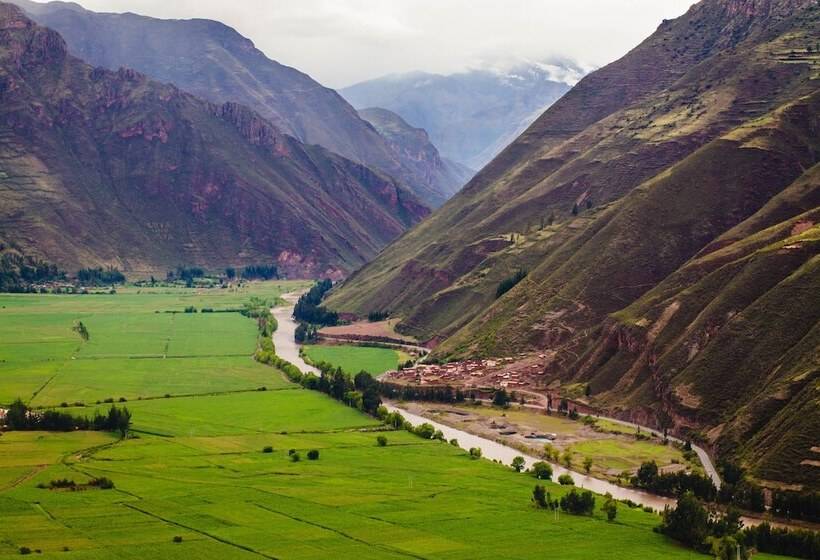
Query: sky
x=341, y=42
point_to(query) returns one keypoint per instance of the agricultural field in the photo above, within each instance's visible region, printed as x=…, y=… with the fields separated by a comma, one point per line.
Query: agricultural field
x=353, y=359
x=136, y=346
x=612, y=447
x=193, y=480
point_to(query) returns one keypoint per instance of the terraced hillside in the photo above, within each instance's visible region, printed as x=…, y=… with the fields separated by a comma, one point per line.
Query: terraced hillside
x=100, y=167
x=680, y=155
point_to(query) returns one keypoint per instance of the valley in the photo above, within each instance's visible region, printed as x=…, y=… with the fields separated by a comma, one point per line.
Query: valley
x=535, y=281
x=194, y=466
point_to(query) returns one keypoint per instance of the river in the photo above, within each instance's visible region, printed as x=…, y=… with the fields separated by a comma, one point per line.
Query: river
x=288, y=349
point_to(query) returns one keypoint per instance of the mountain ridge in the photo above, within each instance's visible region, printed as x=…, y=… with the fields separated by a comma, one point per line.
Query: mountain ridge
x=213, y=61
x=688, y=145
x=110, y=168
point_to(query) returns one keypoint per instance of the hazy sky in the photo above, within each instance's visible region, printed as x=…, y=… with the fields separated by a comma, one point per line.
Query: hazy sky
x=340, y=42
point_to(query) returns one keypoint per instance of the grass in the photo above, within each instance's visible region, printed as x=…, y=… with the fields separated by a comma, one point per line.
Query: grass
x=195, y=468
x=135, y=348
x=353, y=359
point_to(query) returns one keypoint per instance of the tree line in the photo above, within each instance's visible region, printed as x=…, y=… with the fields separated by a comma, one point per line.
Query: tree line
x=254, y=272
x=20, y=417
x=723, y=536
x=308, y=308
x=18, y=272
x=100, y=276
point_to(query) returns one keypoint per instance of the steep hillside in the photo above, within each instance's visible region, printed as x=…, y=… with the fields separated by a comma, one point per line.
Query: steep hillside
x=470, y=116
x=695, y=153
x=214, y=62
x=415, y=146
x=100, y=167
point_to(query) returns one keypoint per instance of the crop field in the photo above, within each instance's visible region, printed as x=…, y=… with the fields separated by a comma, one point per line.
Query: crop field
x=136, y=346
x=192, y=480
x=353, y=359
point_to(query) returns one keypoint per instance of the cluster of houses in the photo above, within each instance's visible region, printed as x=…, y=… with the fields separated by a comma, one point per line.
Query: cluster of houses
x=508, y=373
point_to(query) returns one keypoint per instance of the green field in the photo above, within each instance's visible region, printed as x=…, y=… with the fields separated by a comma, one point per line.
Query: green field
x=195, y=469
x=135, y=348
x=353, y=359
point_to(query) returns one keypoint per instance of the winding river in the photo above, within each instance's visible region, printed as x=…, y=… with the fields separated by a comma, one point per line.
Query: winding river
x=288, y=349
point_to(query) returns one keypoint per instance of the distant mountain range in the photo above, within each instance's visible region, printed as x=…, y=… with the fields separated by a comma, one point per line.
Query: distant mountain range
x=667, y=211
x=470, y=116
x=101, y=167
x=214, y=62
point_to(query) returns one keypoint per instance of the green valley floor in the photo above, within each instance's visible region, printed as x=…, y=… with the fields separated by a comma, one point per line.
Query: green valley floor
x=193, y=480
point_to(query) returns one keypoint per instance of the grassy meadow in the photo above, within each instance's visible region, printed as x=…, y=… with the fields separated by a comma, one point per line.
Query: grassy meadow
x=353, y=359
x=193, y=481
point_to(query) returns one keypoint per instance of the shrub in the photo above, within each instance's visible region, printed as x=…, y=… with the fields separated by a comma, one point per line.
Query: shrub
x=103, y=483
x=578, y=503
x=454, y=442
x=542, y=498
x=381, y=440
x=295, y=458
x=313, y=454
x=475, y=453
x=542, y=471
x=565, y=480
x=25, y=550
x=610, y=507
x=177, y=539
x=267, y=449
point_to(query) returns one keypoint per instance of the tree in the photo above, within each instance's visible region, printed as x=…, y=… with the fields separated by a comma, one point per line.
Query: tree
x=687, y=522
x=313, y=454
x=566, y=480
x=578, y=503
x=501, y=398
x=518, y=463
x=542, y=471
x=17, y=416
x=566, y=458
x=81, y=330
x=540, y=496
x=475, y=453
x=587, y=464
x=550, y=452
x=647, y=473
x=610, y=507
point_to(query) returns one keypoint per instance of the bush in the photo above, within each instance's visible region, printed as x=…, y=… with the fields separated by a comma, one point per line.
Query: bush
x=578, y=503
x=267, y=449
x=542, y=499
x=454, y=442
x=542, y=471
x=565, y=480
x=381, y=440
x=25, y=550
x=103, y=483
x=295, y=458
x=610, y=507
x=475, y=453
x=177, y=539
x=313, y=454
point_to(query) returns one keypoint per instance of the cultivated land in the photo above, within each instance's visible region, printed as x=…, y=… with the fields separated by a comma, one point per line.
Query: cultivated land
x=612, y=454
x=196, y=469
x=353, y=359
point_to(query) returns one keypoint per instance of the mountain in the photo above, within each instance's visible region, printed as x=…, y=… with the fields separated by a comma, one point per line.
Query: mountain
x=415, y=146
x=666, y=211
x=470, y=116
x=214, y=62
x=100, y=167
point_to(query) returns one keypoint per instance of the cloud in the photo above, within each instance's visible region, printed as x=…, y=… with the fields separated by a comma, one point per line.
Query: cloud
x=340, y=42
